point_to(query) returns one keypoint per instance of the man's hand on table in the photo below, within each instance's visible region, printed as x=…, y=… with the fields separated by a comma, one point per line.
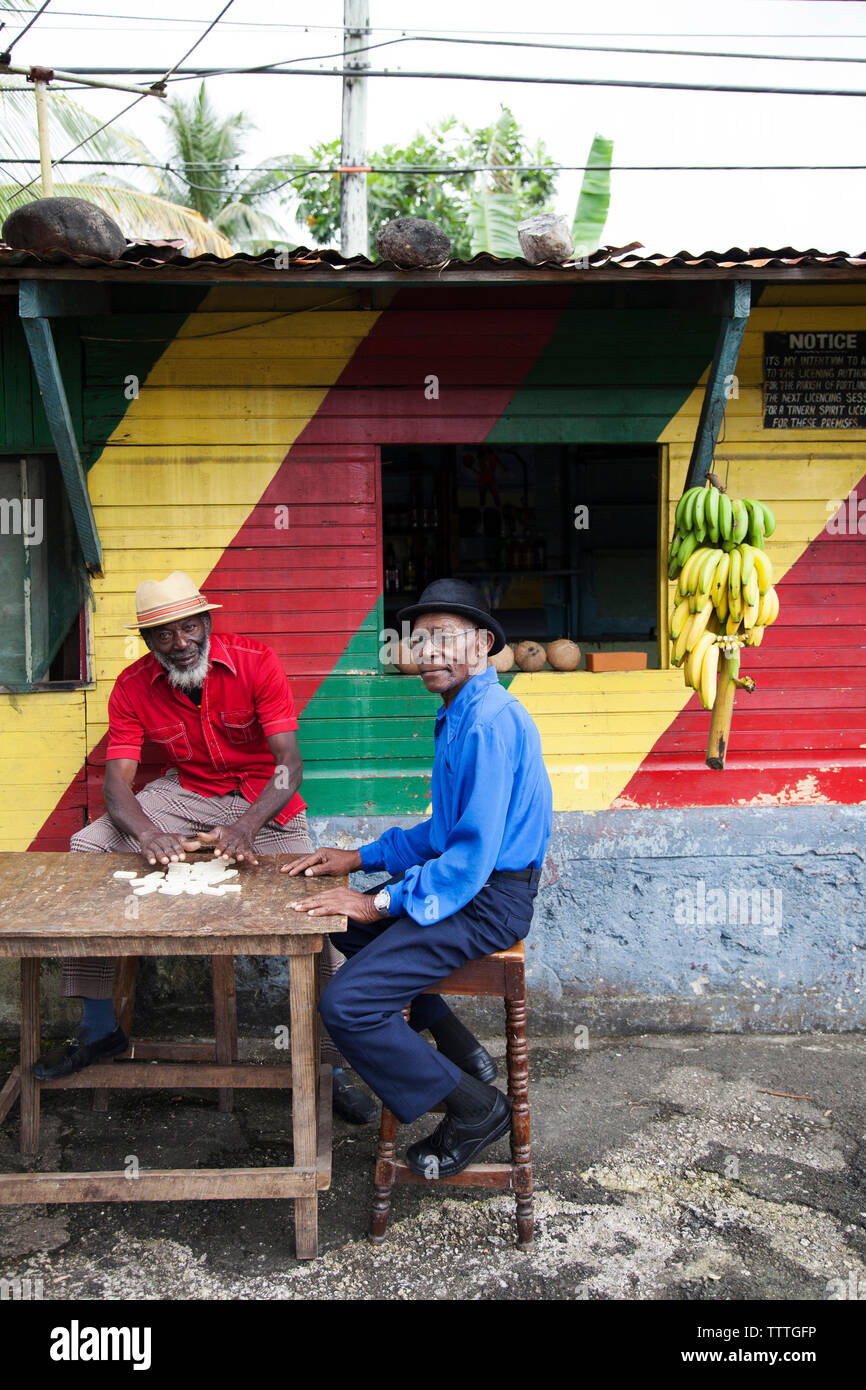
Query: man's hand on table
x=230, y=842
x=342, y=902
x=327, y=860
x=339, y=902
x=164, y=846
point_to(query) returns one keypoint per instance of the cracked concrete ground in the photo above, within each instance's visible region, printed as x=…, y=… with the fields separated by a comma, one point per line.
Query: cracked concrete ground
x=663, y=1168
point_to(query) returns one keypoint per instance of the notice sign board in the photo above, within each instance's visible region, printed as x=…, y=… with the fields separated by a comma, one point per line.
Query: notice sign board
x=815, y=380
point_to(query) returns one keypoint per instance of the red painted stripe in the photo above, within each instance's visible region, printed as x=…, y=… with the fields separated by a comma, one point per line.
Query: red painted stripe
x=335, y=463
x=756, y=786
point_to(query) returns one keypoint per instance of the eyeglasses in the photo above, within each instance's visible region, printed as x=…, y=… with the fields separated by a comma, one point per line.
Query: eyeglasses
x=440, y=641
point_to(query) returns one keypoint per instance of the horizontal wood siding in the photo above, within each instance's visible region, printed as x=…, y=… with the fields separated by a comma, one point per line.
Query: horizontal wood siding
x=263, y=399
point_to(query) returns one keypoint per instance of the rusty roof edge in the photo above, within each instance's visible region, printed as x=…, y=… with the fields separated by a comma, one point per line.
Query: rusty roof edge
x=233, y=273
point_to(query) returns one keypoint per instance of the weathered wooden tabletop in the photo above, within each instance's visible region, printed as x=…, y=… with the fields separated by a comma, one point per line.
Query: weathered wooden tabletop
x=70, y=904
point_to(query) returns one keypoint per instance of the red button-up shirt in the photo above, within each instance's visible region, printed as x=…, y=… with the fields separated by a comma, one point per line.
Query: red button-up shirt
x=220, y=747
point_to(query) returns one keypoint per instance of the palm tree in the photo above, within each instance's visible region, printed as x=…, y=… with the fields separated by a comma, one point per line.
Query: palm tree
x=206, y=146
x=141, y=215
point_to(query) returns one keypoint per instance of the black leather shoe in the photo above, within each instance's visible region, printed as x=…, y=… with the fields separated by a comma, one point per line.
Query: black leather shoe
x=351, y=1103
x=79, y=1053
x=454, y=1143
x=477, y=1063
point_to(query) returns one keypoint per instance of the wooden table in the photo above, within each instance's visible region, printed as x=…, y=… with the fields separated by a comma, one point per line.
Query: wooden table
x=70, y=905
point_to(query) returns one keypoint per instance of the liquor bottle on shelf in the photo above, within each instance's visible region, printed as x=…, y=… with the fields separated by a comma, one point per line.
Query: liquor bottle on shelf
x=428, y=565
x=410, y=575
x=392, y=582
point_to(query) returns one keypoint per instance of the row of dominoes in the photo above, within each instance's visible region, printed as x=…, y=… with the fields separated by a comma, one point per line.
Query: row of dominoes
x=183, y=878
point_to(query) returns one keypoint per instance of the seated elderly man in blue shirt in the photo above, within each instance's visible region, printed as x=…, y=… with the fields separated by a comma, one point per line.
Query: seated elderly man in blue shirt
x=462, y=887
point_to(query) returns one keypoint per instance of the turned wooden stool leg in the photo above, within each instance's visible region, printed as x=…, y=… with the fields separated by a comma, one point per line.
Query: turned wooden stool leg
x=518, y=1089
x=386, y=1154
x=124, y=998
x=225, y=1020
x=29, y=1098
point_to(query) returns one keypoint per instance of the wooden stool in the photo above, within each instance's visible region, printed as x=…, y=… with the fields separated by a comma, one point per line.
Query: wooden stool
x=500, y=974
x=223, y=1049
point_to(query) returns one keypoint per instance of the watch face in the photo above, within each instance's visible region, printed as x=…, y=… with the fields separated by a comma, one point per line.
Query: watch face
x=382, y=901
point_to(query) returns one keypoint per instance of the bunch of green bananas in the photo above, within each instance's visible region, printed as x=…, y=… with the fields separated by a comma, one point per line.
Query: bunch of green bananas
x=721, y=594
x=706, y=514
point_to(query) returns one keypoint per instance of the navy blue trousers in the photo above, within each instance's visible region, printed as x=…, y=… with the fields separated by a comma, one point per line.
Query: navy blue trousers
x=389, y=963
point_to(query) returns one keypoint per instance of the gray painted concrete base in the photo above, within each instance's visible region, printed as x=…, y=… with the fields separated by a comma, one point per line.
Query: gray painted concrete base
x=744, y=919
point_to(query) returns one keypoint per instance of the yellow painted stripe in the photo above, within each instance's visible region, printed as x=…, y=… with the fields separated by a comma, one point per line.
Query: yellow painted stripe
x=207, y=457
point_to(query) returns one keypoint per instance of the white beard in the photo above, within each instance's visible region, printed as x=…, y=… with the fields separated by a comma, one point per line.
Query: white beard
x=192, y=678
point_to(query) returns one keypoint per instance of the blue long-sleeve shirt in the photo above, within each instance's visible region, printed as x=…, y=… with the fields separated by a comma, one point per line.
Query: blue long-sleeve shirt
x=492, y=806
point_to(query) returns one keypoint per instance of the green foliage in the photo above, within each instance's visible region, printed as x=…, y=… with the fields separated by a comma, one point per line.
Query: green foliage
x=204, y=146
x=222, y=213
x=594, y=201
x=446, y=199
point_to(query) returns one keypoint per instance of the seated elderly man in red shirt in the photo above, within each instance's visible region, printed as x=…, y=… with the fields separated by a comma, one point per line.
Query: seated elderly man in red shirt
x=220, y=708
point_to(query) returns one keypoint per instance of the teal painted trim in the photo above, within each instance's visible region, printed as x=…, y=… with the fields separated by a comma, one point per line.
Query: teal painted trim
x=55, y=299
x=727, y=351
x=43, y=354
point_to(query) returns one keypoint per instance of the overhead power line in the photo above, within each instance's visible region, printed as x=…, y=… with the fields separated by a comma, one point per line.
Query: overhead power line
x=192, y=21
x=131, y=104
x=199, y=40
x=272, y=70
x=593, y=48
x=450, y=169
x=21, y=34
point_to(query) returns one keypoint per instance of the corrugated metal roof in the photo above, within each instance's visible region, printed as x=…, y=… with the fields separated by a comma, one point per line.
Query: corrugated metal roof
x=609, y=262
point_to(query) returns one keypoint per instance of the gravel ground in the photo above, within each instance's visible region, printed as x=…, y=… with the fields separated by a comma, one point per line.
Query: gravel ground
x=663, y=1169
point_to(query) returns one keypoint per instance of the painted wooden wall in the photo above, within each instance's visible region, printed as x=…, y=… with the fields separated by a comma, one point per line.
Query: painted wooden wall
x=256, y=400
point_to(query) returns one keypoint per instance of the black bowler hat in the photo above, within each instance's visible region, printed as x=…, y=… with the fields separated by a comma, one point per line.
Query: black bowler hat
x=456, y=596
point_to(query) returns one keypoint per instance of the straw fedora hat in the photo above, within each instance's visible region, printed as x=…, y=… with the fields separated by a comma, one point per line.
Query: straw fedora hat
x=168, y=600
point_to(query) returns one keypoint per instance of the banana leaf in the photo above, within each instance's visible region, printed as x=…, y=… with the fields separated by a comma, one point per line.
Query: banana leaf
x=493, y=219
x=594, y=200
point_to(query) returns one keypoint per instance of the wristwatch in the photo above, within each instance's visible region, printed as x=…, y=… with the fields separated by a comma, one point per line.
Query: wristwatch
x=382, y=902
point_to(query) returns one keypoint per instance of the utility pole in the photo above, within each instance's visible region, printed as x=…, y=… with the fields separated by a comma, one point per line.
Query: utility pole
x=353, y=147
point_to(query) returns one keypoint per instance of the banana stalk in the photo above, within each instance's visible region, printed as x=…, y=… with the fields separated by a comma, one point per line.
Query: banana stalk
x=723, y=707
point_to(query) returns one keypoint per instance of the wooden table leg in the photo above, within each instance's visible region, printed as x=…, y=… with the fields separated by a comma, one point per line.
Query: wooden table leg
x=29, y=1055
x=302, y=1003
x=224, y=1019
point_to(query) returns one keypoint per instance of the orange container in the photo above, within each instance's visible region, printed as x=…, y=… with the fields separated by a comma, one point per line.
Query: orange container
x=616, y=661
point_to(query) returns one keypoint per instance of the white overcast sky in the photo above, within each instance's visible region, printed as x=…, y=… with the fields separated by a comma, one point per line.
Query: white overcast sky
x=664, y=211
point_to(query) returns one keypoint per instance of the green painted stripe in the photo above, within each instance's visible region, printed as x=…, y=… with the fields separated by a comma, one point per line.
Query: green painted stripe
x=540, y=412
x=367, y=740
